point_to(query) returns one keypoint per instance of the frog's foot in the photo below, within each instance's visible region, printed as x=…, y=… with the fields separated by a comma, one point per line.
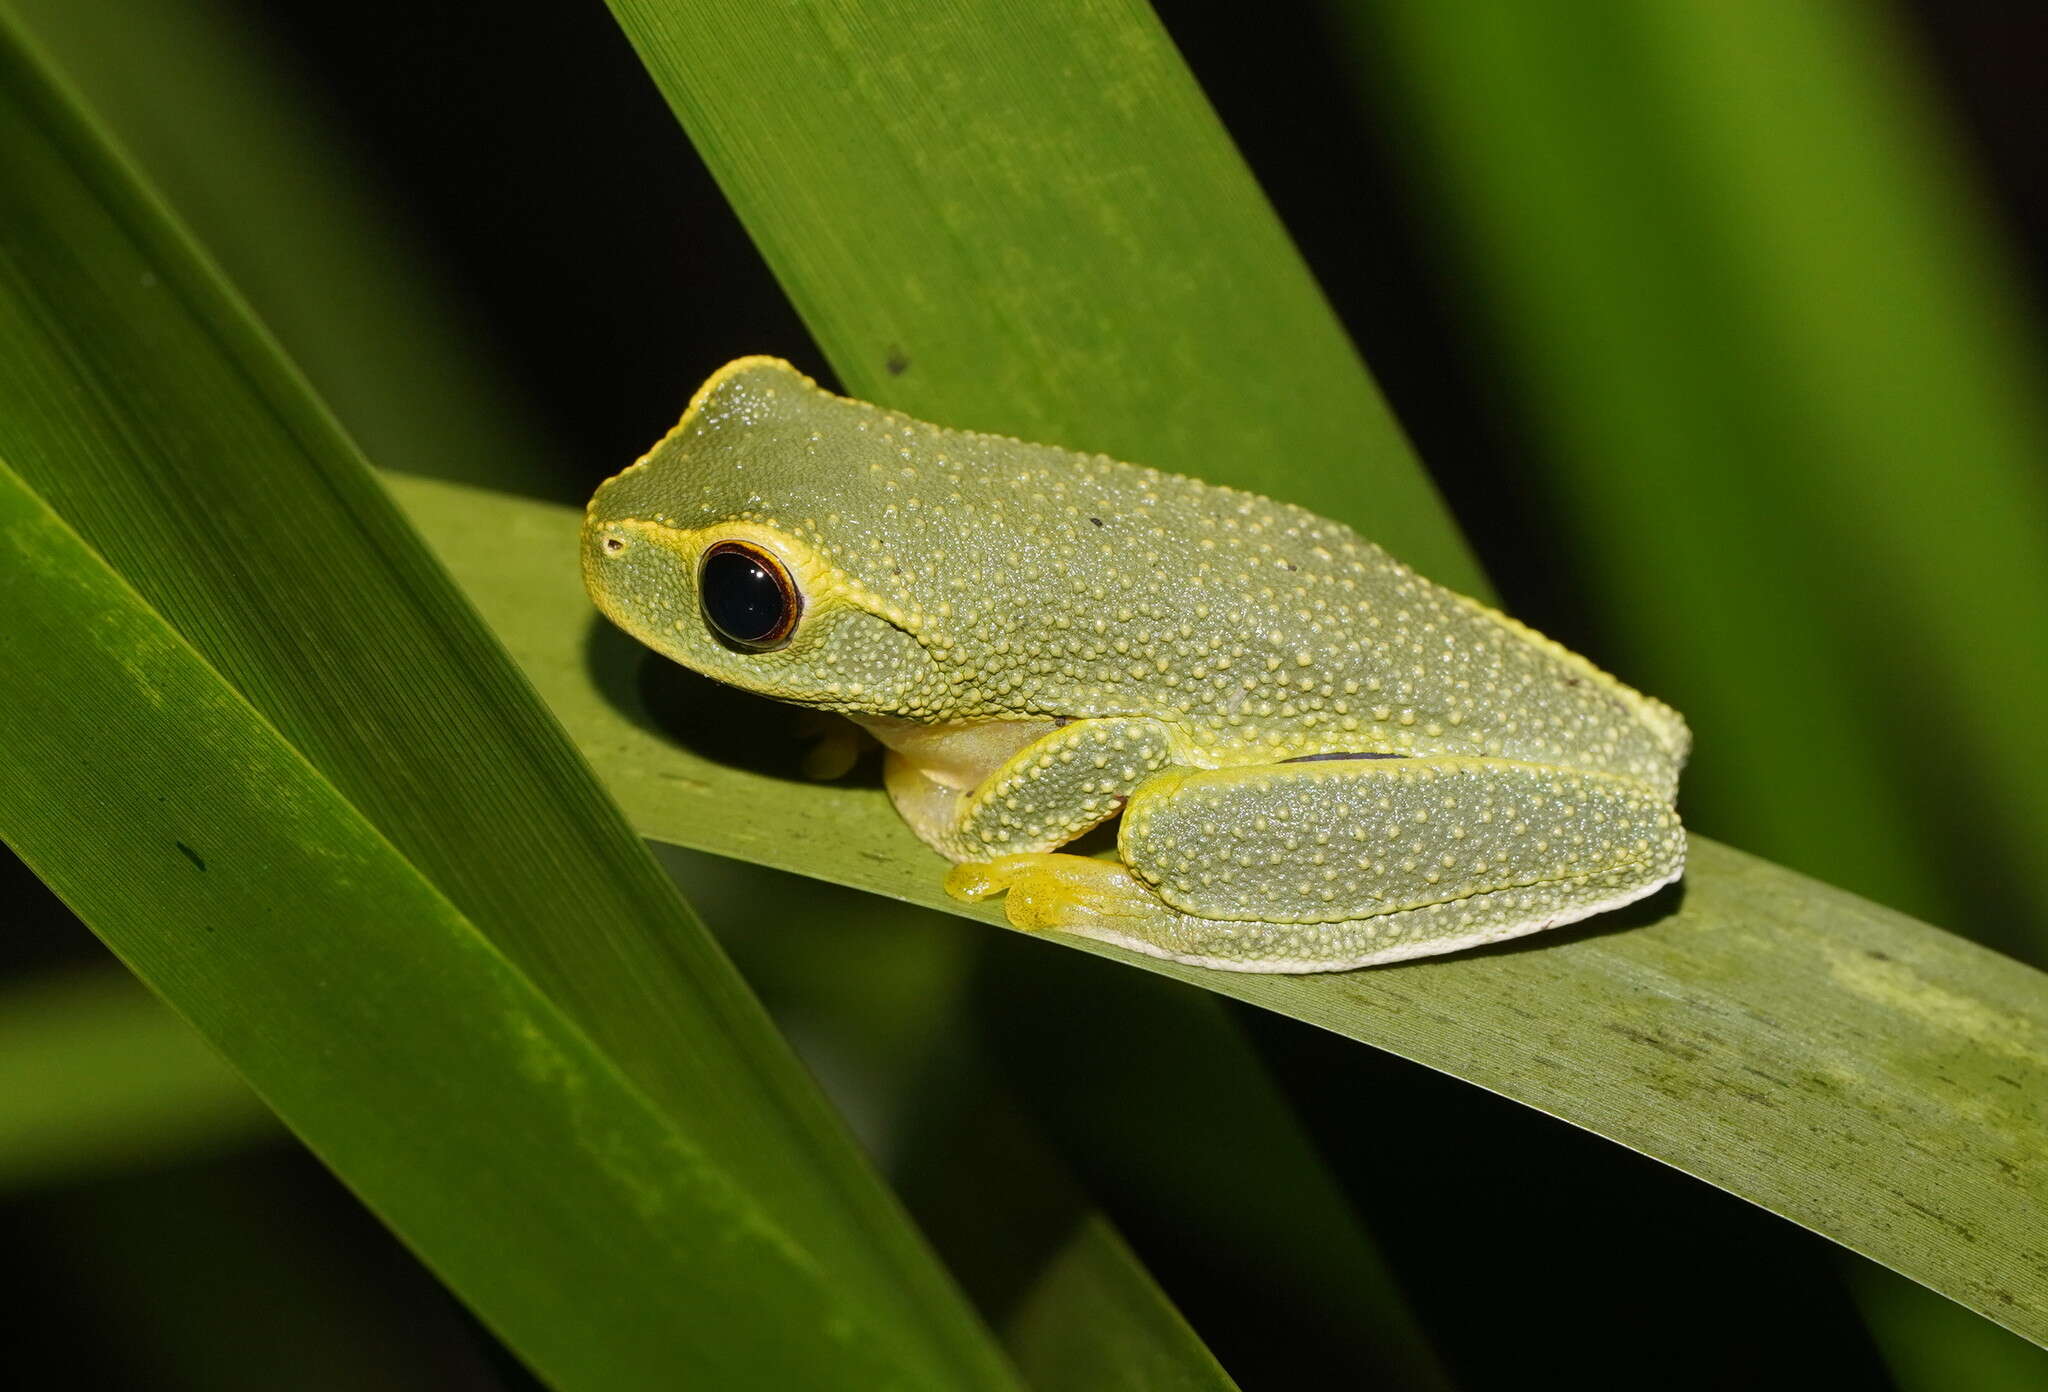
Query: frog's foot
x=836, y=744
x=1049, y=891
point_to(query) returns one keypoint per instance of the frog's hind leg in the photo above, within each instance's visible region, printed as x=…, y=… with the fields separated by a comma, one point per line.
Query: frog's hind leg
x=1328, y=866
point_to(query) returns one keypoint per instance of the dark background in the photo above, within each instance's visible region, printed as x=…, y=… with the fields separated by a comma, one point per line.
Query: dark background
x=592, y=251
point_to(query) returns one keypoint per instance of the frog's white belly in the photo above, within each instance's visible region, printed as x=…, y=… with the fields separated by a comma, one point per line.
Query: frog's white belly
x=929, y=769
x=958, y=754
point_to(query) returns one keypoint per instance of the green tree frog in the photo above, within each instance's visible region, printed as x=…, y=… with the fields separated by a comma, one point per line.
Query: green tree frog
x=1321, y=759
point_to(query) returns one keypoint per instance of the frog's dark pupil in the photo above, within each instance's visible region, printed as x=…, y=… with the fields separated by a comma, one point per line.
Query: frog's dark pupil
x=745, y=600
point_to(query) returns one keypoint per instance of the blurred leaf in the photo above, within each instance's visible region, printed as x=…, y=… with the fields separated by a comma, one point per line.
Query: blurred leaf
x=231, y=1276
x=879, y=999
x=1867, y=1076
x=1002, y=1088
x=1933, y=1345
x=1792, y=407
x=1080, y=1326
x=1795, y=418
x=166, y=1216
x=98, y=1076
x=1167, y=1109
x=209, y=110
x=234, y=682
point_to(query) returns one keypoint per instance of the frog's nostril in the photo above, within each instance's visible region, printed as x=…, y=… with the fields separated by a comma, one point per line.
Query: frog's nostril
x=613, y=545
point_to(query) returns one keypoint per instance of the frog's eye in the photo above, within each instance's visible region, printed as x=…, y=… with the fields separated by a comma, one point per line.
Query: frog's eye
x=748, y=598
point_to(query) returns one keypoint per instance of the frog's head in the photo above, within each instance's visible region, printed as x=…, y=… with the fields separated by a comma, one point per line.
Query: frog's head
x=724, y=548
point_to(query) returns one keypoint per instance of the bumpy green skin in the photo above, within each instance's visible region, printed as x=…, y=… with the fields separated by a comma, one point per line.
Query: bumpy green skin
x=952, y=579
x=1345, y=863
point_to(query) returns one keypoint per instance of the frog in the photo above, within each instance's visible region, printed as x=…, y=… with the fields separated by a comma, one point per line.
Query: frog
x=1317, y=759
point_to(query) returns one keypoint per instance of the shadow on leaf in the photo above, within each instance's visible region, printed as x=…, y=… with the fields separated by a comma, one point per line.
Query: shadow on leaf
x=712, y=720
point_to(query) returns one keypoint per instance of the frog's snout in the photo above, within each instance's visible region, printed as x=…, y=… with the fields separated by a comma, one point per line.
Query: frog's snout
x=606, y=547
x=605, y=544
x=625, y=541
x=625, y=561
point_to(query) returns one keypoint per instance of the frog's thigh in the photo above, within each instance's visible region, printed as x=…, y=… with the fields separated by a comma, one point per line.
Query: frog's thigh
x=1326, y=866
x=1320, y=866
x=1049, y=792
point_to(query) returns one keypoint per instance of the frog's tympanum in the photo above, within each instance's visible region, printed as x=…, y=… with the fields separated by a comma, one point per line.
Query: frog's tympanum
x=1322, y=760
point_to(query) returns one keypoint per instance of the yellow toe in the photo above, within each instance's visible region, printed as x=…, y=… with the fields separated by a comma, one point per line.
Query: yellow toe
x=974, y=881
x=1050, y=890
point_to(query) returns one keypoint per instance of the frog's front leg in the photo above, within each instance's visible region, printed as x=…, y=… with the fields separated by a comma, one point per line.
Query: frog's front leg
x=1044, y=795
x=1325, y=866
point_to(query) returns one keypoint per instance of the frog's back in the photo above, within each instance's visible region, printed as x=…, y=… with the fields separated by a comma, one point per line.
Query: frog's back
x=1068, y=585
x=1314, y=640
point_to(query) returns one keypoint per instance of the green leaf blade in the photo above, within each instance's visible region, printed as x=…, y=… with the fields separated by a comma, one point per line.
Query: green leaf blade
x=1094, y=1322
x=99, y=1077
x=165, y=436
x=220, y=806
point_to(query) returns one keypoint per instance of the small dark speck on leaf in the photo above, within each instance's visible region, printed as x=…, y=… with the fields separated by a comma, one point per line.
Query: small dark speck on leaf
x=1875, y=955
x=1096, y=520
x=190, y=854
x=1571, y=681
x=1652, y=1041
x=1962, y=1230
x=896, y=362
